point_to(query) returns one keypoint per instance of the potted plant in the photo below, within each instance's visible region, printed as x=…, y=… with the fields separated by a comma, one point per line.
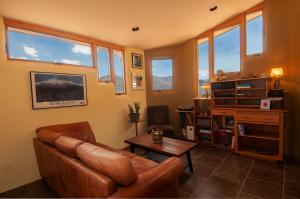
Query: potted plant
x=134, y=112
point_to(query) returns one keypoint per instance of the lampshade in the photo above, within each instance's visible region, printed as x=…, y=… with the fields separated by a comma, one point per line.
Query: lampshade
x=277, y=72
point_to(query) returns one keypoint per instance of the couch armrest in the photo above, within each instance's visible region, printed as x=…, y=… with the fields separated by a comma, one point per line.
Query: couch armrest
x=103, y=146
x=163, y=175
x=159, y=181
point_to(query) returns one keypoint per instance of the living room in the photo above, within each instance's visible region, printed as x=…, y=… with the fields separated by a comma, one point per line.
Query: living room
x=121, y=52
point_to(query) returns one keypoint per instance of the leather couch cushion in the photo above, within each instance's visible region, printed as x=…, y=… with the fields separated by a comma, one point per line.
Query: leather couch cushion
x=68, y=145
x=141, y=164
x=48, y=136
x=114, y=165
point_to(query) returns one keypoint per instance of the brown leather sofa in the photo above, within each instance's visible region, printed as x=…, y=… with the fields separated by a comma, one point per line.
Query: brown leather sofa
x=73, y=164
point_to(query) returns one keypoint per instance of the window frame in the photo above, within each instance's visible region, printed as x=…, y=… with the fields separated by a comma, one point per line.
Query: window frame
x=228, y=25
x=94, y=43
x=110, y=64
x=204, y=36
x=173, y=72
x=30, y=32
x=241, y=20
x=250, y=11
x=113, y=69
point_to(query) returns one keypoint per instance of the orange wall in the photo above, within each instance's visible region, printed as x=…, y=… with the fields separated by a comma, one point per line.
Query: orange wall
x=106, y=112
x=282, y=49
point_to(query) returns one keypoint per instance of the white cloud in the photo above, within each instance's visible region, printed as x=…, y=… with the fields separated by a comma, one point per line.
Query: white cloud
x=69, y=61
x=30, y=51
x=86, y=50
x=22, y=58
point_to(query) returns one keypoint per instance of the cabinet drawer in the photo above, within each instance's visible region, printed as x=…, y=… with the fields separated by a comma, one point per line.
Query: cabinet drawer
x=261, y=118
x=222, y=112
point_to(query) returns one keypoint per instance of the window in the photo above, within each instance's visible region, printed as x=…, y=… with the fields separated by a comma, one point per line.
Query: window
x=254, y=33
x=227, y=52
x=203, y=63
x=27, y=45
x=118, y=61
x=162, y=74
x=103, y=64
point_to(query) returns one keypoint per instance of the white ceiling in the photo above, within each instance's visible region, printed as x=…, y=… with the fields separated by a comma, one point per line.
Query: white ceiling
x=162, y=22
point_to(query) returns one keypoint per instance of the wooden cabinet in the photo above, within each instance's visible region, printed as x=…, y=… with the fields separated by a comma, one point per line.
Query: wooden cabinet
x=262, y=137
x=259, y=133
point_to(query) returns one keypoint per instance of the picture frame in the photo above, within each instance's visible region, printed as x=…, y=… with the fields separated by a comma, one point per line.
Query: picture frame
x=55, y=90
x=137, y=81
x=137, y=61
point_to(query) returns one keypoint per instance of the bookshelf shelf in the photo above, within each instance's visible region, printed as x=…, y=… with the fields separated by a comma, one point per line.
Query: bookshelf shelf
x=239, y=93
x=259, y=137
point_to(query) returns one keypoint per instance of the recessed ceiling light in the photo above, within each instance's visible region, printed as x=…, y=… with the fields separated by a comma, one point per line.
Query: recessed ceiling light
x=135, y=29
x=214, y=8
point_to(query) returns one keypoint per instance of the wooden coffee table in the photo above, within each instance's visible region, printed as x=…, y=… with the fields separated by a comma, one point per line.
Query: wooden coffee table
x=169, y=147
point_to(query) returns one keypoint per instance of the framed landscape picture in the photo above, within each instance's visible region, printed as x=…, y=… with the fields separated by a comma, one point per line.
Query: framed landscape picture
x=137, y=60
x=53, y=90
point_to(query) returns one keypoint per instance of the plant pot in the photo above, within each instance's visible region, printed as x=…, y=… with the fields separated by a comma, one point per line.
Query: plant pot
x=134, y=117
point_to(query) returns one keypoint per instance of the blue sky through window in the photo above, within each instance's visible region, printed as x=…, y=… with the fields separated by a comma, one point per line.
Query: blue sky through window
x=39, y=47
x=103, y=64
x=203, y=63
x=162, y=74
x=119, y=71
x=254, y=35
x=227, y=51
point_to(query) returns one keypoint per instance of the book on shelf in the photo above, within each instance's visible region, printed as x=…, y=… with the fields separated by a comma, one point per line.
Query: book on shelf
x=241, y=129
x=232, y=142
x=205, y=131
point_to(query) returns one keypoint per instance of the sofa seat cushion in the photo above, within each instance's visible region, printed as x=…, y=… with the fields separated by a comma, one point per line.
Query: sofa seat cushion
x=117, y=167
x=68, y=145
x=141, y=164
x=48, y=136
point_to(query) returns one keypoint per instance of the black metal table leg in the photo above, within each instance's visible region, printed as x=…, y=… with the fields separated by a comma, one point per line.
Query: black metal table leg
x=132, y=148
x=188, y=157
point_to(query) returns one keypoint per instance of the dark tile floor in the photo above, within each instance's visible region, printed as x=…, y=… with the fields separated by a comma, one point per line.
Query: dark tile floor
x=217, y=174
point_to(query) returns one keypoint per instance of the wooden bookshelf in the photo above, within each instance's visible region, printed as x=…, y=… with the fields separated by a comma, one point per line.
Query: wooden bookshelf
x=239, y=101
x=239, y=93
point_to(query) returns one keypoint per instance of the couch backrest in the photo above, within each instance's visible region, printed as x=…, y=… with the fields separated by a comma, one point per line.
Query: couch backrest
x=80, y=130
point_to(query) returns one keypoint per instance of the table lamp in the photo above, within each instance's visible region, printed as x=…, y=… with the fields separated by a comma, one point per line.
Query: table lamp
x=277, y=73
x=205, y=87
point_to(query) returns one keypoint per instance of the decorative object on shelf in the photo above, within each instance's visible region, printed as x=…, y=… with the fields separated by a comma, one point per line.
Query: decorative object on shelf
x=190, y=134
x=137, y=61
x=249, y=76
x=134, y=115
x=137, y=81
x=53, y=90
x=205, y=87
x=277, y=73
x=220, y=75
x=265, y=104
x=157, y=136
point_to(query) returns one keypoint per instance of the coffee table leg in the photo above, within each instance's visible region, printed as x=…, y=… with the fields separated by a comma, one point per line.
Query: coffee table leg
x=132, y=148
x=188, y=157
